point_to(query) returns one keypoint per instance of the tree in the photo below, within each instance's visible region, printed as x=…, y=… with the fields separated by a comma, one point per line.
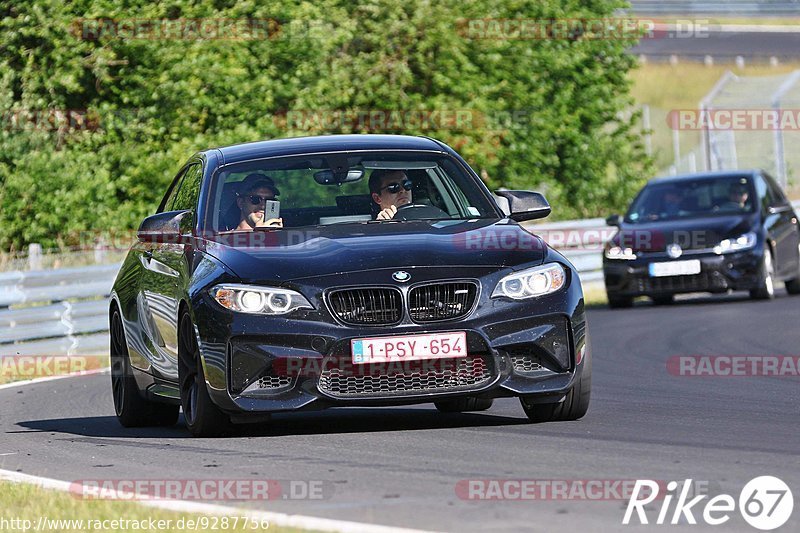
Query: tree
x=98, y=119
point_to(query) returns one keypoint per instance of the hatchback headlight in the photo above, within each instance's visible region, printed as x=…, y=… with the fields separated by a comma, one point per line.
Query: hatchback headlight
x=532, y=282
x=743, y=242
x=259, y=300
x=616, y=252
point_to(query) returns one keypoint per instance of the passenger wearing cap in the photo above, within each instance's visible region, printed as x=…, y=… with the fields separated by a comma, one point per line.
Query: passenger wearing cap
x=251, y=199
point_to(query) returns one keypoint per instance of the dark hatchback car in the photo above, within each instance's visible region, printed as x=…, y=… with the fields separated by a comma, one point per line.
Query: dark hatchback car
x=451, y=301
x=712, y=232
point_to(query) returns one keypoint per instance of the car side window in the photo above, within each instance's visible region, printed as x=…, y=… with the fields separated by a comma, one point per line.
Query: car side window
x=189, y=190
x=775, y=192
x=169, y=198
x=763, y=192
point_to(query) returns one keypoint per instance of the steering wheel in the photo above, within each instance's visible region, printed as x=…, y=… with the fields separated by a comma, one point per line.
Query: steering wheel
x=419, y=212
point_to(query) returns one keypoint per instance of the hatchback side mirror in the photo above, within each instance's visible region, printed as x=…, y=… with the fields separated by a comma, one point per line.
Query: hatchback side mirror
x=169, y=227
x=526, y=205
x=614, y=220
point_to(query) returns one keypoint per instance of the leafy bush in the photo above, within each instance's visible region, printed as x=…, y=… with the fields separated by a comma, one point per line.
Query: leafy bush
x=535, y=114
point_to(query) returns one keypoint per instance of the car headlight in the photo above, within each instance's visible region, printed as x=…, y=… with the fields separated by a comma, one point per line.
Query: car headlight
x=743, y=242
x=616, y=252
x=532, y=282
x=259, y=300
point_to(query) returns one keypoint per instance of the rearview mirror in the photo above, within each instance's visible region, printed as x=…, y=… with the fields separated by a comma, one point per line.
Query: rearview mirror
x=526, y=205
x=614, y=220
x=170, y=227
x=329, y=177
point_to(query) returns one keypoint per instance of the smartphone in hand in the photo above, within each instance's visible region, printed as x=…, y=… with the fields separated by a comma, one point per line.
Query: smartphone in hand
x=272, y=210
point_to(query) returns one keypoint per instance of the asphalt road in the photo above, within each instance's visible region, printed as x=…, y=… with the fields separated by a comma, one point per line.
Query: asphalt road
x=400, y=466
x=722, y=45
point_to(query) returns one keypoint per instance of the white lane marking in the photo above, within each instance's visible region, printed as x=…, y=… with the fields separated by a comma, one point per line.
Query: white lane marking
x=53, y=378
x=10, y=453
x=278, y=519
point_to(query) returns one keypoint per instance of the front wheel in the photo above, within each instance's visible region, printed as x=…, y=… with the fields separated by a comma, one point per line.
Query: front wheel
x=766, y=284
x=573, y=407
x=793, y=285
x=131, y=408
x=203, y=418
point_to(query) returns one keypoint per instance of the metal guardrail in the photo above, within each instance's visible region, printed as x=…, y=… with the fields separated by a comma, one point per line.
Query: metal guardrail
x=720, y=7
x=59, y=326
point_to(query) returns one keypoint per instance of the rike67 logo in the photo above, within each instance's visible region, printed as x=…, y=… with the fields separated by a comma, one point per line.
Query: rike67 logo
x=765, y=502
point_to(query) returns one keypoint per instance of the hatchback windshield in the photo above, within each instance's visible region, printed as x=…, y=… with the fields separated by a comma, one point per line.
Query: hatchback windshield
x=671, y=200
x=339, y=188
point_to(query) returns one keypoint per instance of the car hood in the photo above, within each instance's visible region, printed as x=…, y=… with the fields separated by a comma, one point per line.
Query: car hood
x=293, y=254
x=690, y=234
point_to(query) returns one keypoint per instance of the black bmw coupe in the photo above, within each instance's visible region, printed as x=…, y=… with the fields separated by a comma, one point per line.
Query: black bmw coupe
x=350, y=270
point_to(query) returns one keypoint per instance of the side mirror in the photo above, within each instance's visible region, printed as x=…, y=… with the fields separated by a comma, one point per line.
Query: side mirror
x=526, y=205
x=614, y=220
x=170, y=227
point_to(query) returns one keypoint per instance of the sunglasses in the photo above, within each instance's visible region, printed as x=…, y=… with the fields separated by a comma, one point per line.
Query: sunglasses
x=257, y=200
x=395, y=187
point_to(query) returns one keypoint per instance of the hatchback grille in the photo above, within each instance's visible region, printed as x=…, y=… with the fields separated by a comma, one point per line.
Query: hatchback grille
x=410, y=377
x=706, y=281
x=373, y=306
x=441, y=301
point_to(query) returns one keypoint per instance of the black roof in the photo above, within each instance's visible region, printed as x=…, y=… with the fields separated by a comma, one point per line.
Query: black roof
x=706, y=175
x=325, y=143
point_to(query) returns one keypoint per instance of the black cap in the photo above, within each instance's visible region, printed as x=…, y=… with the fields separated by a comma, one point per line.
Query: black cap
x=257, y=181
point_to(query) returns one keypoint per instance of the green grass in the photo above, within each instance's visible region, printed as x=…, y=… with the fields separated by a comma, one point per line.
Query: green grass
x=683, y=86
x=27, y=502
x=665, y=87
x=594, y=295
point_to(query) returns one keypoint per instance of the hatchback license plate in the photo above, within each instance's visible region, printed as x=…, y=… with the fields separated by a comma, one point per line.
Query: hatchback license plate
x=409, y=347
x=675, y=268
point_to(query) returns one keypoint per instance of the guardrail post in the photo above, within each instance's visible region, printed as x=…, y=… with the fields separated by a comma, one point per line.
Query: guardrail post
x=35, y=256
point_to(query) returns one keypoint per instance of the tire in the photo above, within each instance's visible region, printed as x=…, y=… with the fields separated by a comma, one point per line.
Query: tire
x=460, y=405
x=573, y=407
x=663, y=300
x=619, y=302
x=766, y=284
x=202, y=417
x=131, y=408
x=793, y=285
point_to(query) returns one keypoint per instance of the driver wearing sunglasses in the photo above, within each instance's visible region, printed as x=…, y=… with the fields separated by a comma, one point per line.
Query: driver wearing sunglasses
x=252, y=198
x=390, y=189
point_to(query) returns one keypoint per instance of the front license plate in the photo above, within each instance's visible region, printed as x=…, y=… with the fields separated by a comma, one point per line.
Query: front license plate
x=675, y=268
x=409, y=347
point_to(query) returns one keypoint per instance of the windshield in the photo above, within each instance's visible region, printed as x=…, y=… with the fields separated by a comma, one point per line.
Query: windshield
x=726, y=195
x=340, y=188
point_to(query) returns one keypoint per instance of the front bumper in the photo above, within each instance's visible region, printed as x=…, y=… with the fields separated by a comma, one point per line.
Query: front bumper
x=257, y=364
x=719, y=274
